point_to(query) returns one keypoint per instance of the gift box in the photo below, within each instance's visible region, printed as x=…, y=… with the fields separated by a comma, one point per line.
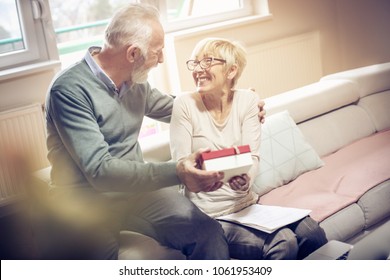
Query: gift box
x=233, y=161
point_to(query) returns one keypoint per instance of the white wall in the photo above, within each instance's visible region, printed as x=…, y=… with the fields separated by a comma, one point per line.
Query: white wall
x=26, y=89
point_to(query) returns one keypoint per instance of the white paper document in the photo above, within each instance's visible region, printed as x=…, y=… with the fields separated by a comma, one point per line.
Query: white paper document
x=266, y=218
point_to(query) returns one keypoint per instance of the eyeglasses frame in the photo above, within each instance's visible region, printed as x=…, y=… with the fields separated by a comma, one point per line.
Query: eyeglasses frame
x=195, y=63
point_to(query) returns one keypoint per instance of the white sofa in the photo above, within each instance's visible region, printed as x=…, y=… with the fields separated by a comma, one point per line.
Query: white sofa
x=339, y=117
x=336, y=115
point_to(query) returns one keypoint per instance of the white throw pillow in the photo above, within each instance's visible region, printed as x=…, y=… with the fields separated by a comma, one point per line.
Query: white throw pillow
x=284, y=153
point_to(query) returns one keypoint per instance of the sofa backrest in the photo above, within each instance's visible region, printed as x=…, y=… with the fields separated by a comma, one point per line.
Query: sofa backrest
x=313, y=100
x=340, y=108
x=370, y=79
x=374, y=89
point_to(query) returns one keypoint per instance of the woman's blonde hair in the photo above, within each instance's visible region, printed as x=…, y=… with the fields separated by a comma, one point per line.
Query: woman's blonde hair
x=231, y=51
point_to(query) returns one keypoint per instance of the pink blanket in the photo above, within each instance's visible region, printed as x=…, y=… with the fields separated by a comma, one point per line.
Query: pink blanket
x=345, y=177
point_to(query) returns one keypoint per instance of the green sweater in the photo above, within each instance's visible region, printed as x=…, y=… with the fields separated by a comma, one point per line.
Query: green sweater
x=93, y=134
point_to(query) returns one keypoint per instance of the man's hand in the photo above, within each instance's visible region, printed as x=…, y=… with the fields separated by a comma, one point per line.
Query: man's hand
x=262, y=111
x=195, y=179
x=240, y=183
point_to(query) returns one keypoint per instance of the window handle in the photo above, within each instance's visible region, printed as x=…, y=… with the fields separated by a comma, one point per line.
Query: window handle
x=39, y=9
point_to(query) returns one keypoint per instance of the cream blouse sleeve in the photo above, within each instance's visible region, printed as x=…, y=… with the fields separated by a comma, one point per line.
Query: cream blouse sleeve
x=180, y=129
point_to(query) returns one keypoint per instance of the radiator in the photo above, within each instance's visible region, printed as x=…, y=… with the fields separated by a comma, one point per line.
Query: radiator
x=277, y=66
x=22, y=149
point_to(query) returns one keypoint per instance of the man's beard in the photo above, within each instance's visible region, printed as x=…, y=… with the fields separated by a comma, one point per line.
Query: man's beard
x=140, y=74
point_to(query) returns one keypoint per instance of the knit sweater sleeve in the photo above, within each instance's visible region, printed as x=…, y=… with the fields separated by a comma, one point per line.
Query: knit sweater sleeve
x=81, y=153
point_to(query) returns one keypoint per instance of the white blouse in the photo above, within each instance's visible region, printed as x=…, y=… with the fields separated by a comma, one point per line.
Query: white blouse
x=192, y=127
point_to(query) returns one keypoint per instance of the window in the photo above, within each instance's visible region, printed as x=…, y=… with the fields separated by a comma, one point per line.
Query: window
x=74, y=20
x=26, y=26
x=23, y=29
x=10, y=29
x=80, y=24
x=181, y=14
x=177, y=9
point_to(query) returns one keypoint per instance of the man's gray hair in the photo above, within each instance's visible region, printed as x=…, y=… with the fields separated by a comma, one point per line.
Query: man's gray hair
x=131, y=25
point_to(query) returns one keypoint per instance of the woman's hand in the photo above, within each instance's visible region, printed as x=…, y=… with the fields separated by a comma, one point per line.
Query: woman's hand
x=239, y=183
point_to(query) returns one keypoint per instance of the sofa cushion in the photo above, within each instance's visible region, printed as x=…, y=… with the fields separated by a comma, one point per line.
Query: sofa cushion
x=375, y=204
x=332, y=131
x=377, y=106
x=345, y=177
x=344, y=224
x=284, y=153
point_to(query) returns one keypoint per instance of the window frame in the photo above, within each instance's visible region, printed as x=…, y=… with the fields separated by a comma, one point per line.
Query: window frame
x=38, y=33
x=248, y=9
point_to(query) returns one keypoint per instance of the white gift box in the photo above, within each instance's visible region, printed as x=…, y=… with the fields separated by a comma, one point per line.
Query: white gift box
x=233, y=161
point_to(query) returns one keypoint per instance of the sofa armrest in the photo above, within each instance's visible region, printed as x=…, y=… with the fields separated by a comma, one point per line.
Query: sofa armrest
x=155, y=148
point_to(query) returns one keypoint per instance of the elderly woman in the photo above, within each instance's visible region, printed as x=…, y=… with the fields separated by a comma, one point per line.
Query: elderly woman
x=218, y=116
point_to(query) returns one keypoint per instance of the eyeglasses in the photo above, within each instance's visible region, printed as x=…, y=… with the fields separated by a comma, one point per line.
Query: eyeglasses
x=205, y=63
